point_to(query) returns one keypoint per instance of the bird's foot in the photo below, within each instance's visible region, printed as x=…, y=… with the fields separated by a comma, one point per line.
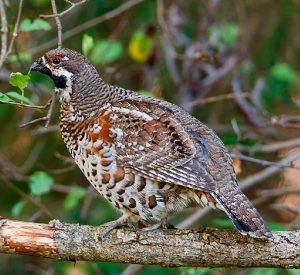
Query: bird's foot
x=162, y=224
x=122, y=221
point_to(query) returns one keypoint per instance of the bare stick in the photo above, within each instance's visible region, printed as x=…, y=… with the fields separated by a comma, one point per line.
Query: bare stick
x=50, y=111
x=268, y=172
x=58, y=24
x=265, y=162
x=271, y=147
x=46, y=118
x=209, y=247
x=24, y=195
x=73, y=5
x=4, y=31
x=93, y=22
x=16, y=27
x=211, y=99
x=266, y=195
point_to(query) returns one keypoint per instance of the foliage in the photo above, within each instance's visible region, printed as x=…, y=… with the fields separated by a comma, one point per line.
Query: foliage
x=40, y=183
x=35, y=25
x=106, y=51
x=74, y=197
x=87, y=43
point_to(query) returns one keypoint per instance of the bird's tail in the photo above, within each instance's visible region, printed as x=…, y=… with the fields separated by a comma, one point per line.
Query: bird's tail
x=242, y=213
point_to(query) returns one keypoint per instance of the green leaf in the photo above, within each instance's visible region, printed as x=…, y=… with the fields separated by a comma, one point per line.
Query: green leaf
x=19, y=97
x=37, y=24
x=145, y=93
x=74, y=197
x=17, y=208
x=19, y=80
x=106, y=51
x=4, y=98
x=25, y=57
x=40, y=183
x=284, y=73
x=87, y=44
x=225, y=34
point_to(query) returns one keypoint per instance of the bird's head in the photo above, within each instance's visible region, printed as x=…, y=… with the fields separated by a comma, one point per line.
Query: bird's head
x=61, y=65
x=70, y=72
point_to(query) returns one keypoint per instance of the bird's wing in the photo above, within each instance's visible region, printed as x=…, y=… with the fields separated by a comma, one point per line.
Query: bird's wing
x=151, y=142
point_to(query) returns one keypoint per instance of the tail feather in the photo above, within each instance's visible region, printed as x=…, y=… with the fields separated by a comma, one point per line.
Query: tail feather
x=243, y=214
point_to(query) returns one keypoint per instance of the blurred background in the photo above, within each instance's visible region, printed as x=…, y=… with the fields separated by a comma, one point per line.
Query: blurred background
x=233, y=64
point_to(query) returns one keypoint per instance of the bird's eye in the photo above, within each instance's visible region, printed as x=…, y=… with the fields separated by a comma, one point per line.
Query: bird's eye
x=56, y=59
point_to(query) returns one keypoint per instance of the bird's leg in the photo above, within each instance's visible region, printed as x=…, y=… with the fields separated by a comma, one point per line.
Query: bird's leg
x=122, y=221
x=162, y=224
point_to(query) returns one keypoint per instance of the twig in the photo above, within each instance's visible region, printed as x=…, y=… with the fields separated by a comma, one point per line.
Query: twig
x=290, y=207
x=192, y=219
x=271, y=147
x=43, y=130
x=73, y=5
x=250, y=113
x=93, y=22
x=167, y=46
x=200, y=55
x=265, y=162
x=256, y=92
x=221, y=72
x=49, y=114
x=16, y=27
x=279, y=192
x=287, y=121
x=132, y=269
x=211, y=99
x=46, y=118
x=266, y=195
x=25, y=105
x=58, y=24
x=169, y=248
x=268, y=172
x=4, y=31
x=24, y=195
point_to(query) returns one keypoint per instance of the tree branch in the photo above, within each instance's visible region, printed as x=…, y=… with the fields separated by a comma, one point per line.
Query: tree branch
x=208, y=247
x=93, y=22
x=4, y=31
x=58, y=24
x=73, y=5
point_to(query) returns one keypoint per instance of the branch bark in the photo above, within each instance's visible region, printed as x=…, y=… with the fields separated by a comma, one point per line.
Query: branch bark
x=207, y=247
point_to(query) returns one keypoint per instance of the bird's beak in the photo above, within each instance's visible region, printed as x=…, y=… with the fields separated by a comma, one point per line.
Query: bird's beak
x=36, y=66
x=40, y=67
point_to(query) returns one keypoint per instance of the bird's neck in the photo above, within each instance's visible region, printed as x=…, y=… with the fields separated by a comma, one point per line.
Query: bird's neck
x=87, y=93
x=84, y=93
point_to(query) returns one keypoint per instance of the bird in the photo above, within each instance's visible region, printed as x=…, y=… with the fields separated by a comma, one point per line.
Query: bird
x=148, y=157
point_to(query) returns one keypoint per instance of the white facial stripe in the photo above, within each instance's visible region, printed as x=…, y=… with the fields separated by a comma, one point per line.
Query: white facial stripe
x=65, y=94
x=65, y=58
x=59, y=71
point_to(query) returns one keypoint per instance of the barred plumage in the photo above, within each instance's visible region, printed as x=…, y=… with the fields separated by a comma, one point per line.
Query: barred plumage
x=148, y=157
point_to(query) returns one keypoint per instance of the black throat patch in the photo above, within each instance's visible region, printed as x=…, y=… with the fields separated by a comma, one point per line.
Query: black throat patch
x=59, y=81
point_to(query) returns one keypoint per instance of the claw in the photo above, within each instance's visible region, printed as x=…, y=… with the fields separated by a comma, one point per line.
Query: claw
x=122, y=221
x=162, y=224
